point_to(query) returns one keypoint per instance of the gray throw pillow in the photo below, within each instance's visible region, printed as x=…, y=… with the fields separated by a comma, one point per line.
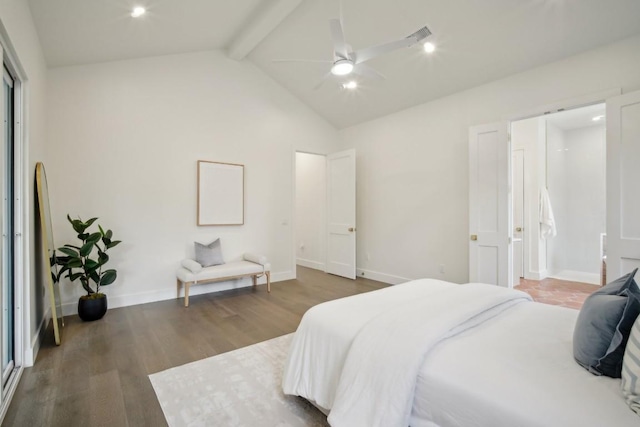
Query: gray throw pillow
x=208, y=255
x=604, y=324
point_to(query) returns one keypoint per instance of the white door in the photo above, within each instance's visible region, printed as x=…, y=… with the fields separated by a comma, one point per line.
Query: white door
x=341, y=214
x=489, y=205
x=517, y=166
x=623, y=176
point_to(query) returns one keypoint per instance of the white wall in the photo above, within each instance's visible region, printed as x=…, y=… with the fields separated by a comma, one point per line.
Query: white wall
x=577, y=186
x=586, y=197
x=20, y=31
x=311, y=197
x=413, y=165
x=127, y=136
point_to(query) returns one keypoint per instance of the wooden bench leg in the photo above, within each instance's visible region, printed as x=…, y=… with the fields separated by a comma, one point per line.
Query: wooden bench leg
x=268, y=274
x=255, y=280
x=178, y=283
x=186, y=294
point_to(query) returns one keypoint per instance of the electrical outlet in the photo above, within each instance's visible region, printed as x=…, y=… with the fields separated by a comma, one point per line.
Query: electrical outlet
x=368, y=257
x=441, y=268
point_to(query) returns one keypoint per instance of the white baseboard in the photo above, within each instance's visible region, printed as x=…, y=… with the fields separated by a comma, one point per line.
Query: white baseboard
x=536, y=275
x=381, y=277
x=31, y=353
x=310, y=264
x=577, y=276
x=71, y=308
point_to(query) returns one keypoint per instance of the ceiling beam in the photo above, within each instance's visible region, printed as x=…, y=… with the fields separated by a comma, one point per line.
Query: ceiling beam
x=265, y=19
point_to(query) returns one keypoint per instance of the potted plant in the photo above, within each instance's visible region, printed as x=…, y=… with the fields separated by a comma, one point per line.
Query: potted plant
x=81, y=263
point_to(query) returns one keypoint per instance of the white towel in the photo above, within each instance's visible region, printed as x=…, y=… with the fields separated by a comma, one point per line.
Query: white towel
x=547, y=222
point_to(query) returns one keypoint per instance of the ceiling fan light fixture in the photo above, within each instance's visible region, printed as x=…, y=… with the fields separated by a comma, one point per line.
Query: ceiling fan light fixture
x=429, y=47
x=138, y=11
x=350, y=85
x=342, y=67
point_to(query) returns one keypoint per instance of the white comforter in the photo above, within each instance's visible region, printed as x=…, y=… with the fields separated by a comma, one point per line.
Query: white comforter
x=516, y=369
x=339, y=361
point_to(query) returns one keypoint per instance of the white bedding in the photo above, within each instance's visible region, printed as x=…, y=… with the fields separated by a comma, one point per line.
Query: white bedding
x=330, y=361
x=514, y=369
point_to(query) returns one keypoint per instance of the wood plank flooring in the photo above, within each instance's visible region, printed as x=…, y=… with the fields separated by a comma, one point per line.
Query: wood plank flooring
x=99, y=375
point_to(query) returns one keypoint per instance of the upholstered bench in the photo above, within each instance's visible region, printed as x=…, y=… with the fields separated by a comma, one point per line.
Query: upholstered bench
x=192, y=273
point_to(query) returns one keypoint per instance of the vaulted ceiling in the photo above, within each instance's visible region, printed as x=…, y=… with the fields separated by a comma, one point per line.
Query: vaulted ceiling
x=477, y=41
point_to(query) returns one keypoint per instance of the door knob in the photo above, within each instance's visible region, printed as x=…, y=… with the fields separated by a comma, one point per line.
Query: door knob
x=474, y=237
x=518, y=229
x=352, y=229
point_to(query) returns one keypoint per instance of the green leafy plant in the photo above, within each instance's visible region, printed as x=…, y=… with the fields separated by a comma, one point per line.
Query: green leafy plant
x=79, y=263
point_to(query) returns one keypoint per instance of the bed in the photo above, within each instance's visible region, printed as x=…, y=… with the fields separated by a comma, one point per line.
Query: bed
x=429, y=353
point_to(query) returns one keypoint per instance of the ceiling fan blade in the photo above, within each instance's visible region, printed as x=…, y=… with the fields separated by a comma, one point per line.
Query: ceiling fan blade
x=368, y=53
x=369, y=72
x=316, y=61
x=339, y=45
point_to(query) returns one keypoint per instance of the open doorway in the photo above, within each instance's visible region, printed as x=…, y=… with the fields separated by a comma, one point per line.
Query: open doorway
x=310, y=210
x=325, y=212
x=559, y=202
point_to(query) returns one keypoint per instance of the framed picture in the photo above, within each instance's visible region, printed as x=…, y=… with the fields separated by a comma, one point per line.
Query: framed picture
x=220, y=193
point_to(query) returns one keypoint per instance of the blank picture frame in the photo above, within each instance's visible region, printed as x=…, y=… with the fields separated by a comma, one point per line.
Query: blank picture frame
x=220, y=193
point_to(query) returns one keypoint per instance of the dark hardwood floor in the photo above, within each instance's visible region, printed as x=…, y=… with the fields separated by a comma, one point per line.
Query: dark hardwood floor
x=99, y=375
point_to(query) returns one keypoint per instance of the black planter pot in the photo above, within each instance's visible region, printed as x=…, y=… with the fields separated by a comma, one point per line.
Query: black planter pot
x=92, y=309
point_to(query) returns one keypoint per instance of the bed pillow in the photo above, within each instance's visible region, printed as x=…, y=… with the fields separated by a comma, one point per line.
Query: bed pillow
x=604, y=324
x=209, y=255
x=631, y=369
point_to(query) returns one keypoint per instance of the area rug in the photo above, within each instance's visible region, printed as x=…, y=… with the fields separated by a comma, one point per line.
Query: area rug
x=238, y=388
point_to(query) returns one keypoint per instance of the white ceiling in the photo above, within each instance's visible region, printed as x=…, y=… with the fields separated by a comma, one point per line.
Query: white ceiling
x=76, y=32
x=478, y=41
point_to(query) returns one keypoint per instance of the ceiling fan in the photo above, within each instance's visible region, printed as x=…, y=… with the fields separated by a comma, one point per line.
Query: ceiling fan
x=347, y=61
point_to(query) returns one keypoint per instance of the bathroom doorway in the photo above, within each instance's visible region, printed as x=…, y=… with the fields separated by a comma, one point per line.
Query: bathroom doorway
x=559, y=196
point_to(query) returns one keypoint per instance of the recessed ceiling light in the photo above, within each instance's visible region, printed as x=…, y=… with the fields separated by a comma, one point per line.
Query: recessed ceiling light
x=138, y=11
x=597, y=118
x=429, y=47
x=342, y=67
x=350, y=85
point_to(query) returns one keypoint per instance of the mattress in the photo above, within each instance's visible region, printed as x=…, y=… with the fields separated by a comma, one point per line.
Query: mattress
x=516, y=369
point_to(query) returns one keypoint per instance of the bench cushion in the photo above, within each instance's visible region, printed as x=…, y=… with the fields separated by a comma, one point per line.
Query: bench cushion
x=230, y=269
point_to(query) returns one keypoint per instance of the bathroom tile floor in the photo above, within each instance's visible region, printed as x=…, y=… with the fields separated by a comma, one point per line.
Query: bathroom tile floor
x=557, y=292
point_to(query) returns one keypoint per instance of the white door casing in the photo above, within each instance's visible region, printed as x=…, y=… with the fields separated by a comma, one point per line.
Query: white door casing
x=489, y=205
x=517, y=166
x=623, y=176
x=341, y=214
